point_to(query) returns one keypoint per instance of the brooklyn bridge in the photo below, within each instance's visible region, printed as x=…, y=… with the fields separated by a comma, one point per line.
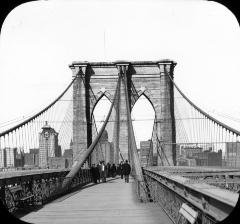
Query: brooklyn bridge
x=189, y=171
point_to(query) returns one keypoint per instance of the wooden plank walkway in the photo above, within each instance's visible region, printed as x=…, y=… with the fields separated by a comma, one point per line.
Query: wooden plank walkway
x=107, y=203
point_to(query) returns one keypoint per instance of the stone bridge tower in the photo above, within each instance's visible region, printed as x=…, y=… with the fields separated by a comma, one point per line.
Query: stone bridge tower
x=97, y=79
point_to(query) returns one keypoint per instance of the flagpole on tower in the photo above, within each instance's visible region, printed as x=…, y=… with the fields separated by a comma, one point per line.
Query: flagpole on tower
x=104, y=43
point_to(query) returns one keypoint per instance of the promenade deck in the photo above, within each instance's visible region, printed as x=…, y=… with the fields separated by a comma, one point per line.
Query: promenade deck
x=107, y=203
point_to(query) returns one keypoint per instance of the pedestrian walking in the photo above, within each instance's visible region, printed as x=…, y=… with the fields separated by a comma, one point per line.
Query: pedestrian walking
x=126, y=171
x=121, y=169
x=94, y=173
x=99, y=167
x=118, y=169
x=113, y=170
x=103, y=172
x=108, y=169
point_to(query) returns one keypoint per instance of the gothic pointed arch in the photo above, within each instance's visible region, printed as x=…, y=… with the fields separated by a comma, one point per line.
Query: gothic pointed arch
x=143, y=115
x=147, y=95
x=98, y=97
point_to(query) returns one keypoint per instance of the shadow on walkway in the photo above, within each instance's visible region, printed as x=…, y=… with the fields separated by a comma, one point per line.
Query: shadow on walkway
x=34, y=208
x=62, y=198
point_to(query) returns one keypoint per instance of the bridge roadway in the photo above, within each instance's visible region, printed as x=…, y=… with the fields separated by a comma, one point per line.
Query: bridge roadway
x=112, y=202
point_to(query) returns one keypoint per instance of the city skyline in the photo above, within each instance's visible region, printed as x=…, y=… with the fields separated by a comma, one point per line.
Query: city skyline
x=202, y=37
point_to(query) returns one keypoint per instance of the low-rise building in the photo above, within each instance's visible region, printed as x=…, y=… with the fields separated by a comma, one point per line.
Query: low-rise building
x=11, y=154
x=31, y=159
x=3, y=158
x=189, y=150
x=232, y=158
x=209, y=158
x=182, y=161
x=28, y=159
x=57, y=163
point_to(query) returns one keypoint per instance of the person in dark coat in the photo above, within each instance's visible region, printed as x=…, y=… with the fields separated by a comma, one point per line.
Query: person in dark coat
x=121, y=169
x=126, y=171
x=103, y=172
x=93, y=172
x=97, y=173
x=108, y=169
x=118, y=169
x=113, y=170
x=99, y=166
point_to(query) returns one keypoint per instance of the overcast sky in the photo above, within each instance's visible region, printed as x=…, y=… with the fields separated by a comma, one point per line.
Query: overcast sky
x=40, y=39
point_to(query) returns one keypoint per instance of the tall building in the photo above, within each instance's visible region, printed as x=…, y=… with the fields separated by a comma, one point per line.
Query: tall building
x=3, y=158
x=19, y=159
x=104, y=150
x=48, y=145
x=155, y=159
x=35, y=152
x=31, y=159
x=232, y=154
x=58, y=152
x=9, y=157
x=68, y=155
x=97, y=154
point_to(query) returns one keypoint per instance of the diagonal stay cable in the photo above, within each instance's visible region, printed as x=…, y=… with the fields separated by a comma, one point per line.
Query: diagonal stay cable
x=136, y=163
x=83, y=157
x=151, y=143
x=162, y=150
x=95, y=126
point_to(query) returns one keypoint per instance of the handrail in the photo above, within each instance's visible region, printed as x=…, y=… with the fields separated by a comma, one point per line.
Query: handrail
x=38, y=114
x=210, y=200
x=203, y=112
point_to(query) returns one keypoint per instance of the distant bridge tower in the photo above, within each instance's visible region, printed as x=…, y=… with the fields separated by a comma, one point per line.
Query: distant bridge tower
x=97, y=79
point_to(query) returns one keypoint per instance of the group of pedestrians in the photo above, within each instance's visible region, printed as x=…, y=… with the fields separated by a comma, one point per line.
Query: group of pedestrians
x=101, y=171
x=124, y=170
x=98, y=172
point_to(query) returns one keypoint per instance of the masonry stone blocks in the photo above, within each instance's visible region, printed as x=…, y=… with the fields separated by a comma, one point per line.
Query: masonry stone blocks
x=95, y=79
